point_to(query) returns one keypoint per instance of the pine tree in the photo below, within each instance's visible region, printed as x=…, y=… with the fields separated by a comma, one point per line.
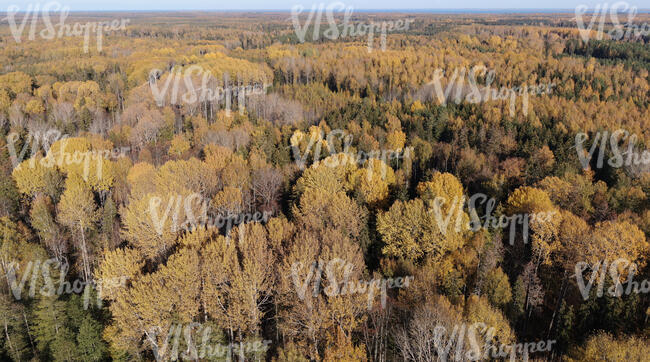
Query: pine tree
x=89, y=340
x=15, y=339
x=49, y=321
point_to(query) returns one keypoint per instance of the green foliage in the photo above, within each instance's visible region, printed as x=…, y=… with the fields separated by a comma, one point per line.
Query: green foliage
x=14, y=343
x=89, y=340
x=243, y=286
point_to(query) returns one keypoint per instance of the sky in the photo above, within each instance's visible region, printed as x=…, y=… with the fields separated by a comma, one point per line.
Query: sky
x=78, y=5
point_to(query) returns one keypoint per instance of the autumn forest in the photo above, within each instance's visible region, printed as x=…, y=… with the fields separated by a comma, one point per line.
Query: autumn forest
x=324, y=186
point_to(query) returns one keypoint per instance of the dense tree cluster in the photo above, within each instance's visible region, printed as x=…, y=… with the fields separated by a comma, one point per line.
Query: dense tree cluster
x=165, y=216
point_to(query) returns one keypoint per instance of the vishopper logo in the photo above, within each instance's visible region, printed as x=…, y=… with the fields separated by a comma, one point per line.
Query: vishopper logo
x=463, y=86
x=191, y=212
x=454, y=346
x=51, y=31
x=60, y=157
x=314, y=146
x=208, y=91
x=38, y=272
x=630, y=157
x=192, y=333
x=345, y=286
x=618, y=31
x=599, y=273
x=457, y=205
x=315, y=18
x=33, y=142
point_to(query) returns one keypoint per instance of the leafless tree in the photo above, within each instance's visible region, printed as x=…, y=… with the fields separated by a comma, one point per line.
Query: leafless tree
x=63, y=112
x=100, y=124
x=133, y=113
x=429, y=332
x=533, y=286
x=276, y=109
x=146, y=130
x=16, y=116
x=240, y=138
x=221, y=138
x=266, y=185
x=376, y=332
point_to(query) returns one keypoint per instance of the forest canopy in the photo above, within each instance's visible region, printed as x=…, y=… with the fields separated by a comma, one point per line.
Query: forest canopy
x=210, y=186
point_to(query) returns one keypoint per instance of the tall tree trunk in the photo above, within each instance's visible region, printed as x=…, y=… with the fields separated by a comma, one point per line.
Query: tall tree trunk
x=563, y=287
x=526, y=314
x=241, y=347
x=84, y=254
x=31, y=341
x=11, y=347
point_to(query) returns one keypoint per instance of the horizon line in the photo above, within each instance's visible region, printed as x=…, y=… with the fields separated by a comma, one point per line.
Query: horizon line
x=414, y=10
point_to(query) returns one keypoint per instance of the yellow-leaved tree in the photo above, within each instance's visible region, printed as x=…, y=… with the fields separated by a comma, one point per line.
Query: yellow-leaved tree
x=430, y=225
x=77, y=210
